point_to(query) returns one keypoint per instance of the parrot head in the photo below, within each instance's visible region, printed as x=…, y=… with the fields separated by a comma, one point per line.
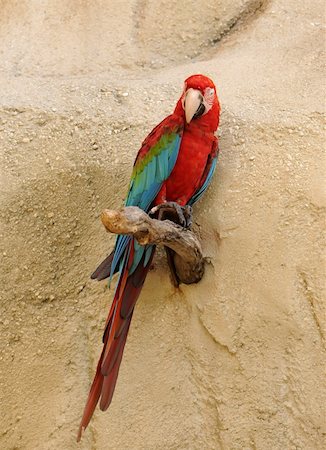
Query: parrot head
x=199, y=103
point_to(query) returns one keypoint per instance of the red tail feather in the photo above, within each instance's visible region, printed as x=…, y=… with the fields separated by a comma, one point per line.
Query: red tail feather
x=114, y=338
x=113, y=370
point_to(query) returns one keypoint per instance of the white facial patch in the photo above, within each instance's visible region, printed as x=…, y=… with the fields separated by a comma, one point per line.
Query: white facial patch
x=208, y=100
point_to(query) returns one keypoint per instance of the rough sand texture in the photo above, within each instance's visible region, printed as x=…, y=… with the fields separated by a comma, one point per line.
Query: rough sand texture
x=235, y=362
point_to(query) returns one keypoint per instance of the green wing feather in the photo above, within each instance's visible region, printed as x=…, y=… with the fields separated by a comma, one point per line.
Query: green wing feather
x=153, y=165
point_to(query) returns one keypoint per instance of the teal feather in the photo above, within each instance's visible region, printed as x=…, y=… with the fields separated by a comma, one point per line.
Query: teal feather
x=150, y=173
x=139, y=251
x=152, y=170
x=140, y=182
x=149, y=251
x=173, y=154
x=164, y=165
x=152, y=167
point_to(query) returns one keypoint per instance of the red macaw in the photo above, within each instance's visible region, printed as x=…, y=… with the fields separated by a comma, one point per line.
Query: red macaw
x=174, y=166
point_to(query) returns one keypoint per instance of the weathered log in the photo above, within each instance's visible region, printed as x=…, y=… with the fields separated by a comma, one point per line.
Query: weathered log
x=188, y=257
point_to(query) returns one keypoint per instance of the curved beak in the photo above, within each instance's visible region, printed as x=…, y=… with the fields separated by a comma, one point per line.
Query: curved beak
x=193, y=100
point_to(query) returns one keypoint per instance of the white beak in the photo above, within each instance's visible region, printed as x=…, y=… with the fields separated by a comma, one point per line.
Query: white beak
x=193, y=100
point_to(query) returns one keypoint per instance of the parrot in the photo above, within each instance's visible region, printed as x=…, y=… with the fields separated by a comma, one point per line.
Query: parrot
x=173, y=169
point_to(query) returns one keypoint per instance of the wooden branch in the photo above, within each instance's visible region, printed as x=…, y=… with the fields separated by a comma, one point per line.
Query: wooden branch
x=188, y=257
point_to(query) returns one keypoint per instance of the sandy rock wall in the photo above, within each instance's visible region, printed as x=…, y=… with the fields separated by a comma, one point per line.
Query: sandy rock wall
x=57, y=38
x=235, y=362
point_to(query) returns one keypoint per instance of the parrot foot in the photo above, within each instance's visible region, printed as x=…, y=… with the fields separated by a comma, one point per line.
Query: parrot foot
x=168, y=209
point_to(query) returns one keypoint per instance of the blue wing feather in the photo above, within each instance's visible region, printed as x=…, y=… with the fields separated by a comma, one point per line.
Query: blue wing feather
x=143, y=189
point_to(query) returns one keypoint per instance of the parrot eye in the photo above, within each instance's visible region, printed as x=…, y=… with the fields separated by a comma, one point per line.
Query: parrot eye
x=209, y=94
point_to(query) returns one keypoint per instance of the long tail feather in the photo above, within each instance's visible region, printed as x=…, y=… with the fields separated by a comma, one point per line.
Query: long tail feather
x=104, y=269
x=110, y=380
x=115, y=334
x=93, y=398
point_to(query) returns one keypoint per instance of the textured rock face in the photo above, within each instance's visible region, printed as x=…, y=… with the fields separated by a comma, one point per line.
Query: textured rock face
x=57, y=38
x=235, y=362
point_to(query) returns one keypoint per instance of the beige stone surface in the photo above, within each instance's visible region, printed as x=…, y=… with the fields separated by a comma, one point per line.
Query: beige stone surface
x=235, y=362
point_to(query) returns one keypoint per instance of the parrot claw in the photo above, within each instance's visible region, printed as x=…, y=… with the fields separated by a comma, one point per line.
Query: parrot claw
x=169, y=210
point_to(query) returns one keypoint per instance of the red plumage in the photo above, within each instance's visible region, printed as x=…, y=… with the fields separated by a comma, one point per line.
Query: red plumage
x=196, y=118
x=198, y=142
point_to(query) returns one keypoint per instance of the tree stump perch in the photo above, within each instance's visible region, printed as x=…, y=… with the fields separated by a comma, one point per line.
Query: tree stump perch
x=188, y=258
